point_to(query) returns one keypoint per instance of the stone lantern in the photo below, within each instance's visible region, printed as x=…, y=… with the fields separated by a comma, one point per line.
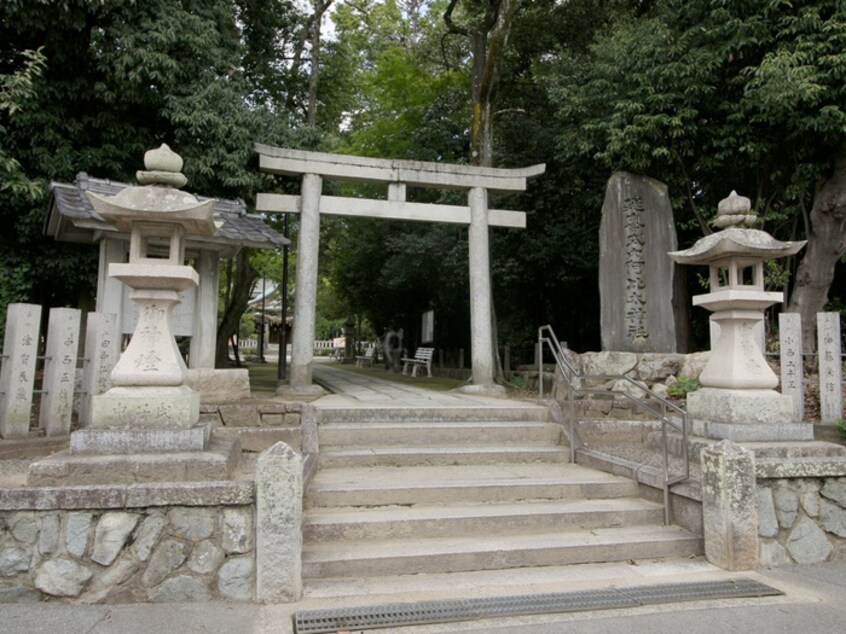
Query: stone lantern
x=738, y=400
x=146, y=427
x=149, y=380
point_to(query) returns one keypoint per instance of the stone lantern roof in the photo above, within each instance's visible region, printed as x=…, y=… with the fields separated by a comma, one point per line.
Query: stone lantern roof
x=737, y=240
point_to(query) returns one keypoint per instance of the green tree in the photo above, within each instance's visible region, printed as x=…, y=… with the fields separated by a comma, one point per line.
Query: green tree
x=121, y=77
x=715, y=96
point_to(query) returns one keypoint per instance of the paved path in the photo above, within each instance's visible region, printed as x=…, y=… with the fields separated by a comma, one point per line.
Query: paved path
x=812, y=604
x=356, y=389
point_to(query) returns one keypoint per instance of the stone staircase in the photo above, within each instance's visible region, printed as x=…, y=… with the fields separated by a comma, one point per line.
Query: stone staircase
x=402, y=492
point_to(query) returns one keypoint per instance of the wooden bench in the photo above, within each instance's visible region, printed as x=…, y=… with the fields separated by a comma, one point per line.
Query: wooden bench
x=366, y=360
x=422, y=356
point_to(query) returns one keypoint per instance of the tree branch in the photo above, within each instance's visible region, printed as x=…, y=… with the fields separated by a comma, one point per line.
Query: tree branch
x=452, y=27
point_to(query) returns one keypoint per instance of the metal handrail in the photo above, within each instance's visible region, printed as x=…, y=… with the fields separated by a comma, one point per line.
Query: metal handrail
x=657, y=406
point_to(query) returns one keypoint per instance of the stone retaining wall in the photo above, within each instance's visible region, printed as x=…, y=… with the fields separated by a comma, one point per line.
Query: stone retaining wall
x=136, y=543
x=656, y=371
x=801, y=520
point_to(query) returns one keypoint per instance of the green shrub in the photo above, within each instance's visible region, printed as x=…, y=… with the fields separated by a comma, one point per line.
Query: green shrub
x=684, y=385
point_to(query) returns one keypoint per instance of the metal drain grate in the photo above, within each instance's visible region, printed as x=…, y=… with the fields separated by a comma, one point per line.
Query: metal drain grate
x=400, y=614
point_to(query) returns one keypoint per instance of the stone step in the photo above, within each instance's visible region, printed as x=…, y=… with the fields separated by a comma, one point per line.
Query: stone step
x=443, y=433
x=488, y=519
x=470, y=412
x=516, y=582
x=454, y=554
x=382, y=486
x=439, y=456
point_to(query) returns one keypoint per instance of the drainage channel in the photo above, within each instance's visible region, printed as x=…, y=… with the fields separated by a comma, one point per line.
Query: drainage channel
x=426, y=612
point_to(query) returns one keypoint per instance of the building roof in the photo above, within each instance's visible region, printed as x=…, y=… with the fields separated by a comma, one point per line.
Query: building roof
x=73, y=219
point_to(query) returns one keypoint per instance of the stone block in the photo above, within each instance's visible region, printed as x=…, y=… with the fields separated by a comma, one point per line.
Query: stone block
x=129, y=441
x=217, y=463
x=146, y=408
x=166, y=558
x=24, y=527
x=237, y=530
x=272, y=419
x=107, y=582
x=833, y=518
x=62, y=577
x=608, y=363
x=239, y=415
x=205, y=558
x=279, y=493
x=694, y=363
x=192, y=523
x=148, y=535
x=77, y=530
x=111, y=535
x=636, y=278
x=48, y=535
x=14, y=560
x=767, y=520
x=16, y=593
x=653, y=367
x=729, y=513
x=786, y=506
x=809, y=498
x=220, y=386
x=835, y=489
x=807, y=543
x=773, y=554
x=236, y=579
x=740, y=407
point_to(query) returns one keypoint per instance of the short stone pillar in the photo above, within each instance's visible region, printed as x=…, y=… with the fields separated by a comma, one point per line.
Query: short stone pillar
x=20, y=348
x=279, y=517
x=729, y=513
x=59, y=371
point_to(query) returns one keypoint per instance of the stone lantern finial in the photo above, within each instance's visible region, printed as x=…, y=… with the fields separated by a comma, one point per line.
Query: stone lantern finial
x=164, y=167
x=735, y=211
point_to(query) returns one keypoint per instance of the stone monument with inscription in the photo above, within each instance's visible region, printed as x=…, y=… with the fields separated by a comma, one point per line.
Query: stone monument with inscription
x=145, y=427
x=738, y=400
x=636, y=282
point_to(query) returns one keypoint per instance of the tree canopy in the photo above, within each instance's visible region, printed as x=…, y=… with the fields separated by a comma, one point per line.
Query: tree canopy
x=706, y=95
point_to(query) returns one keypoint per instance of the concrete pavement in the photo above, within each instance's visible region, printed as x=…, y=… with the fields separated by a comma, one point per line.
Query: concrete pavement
x=812, y=603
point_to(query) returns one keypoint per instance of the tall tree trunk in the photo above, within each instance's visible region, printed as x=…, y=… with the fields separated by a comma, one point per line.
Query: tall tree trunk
x=320, y=8
x=488, y=42
x=240, y=285
x=826, y=245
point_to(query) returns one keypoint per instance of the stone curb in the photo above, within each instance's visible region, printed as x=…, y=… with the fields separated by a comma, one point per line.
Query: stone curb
x=223, y=493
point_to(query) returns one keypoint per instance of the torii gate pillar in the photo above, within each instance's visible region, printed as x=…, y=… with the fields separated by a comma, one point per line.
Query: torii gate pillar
x=305, y=305
x=476, y=181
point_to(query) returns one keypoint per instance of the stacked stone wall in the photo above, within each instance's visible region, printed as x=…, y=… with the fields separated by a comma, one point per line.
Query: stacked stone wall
x=801, y=520
x=155, y=553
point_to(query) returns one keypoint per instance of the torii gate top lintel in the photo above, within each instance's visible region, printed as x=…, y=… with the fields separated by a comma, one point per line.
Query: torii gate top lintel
x=364, y=169
x=313, y=167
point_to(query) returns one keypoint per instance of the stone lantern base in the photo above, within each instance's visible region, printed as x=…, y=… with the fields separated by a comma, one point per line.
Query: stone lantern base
x=172, y=407
x=745, y=416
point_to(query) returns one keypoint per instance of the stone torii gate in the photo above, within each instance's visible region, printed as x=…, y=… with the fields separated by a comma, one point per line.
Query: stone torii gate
x=313, y=167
